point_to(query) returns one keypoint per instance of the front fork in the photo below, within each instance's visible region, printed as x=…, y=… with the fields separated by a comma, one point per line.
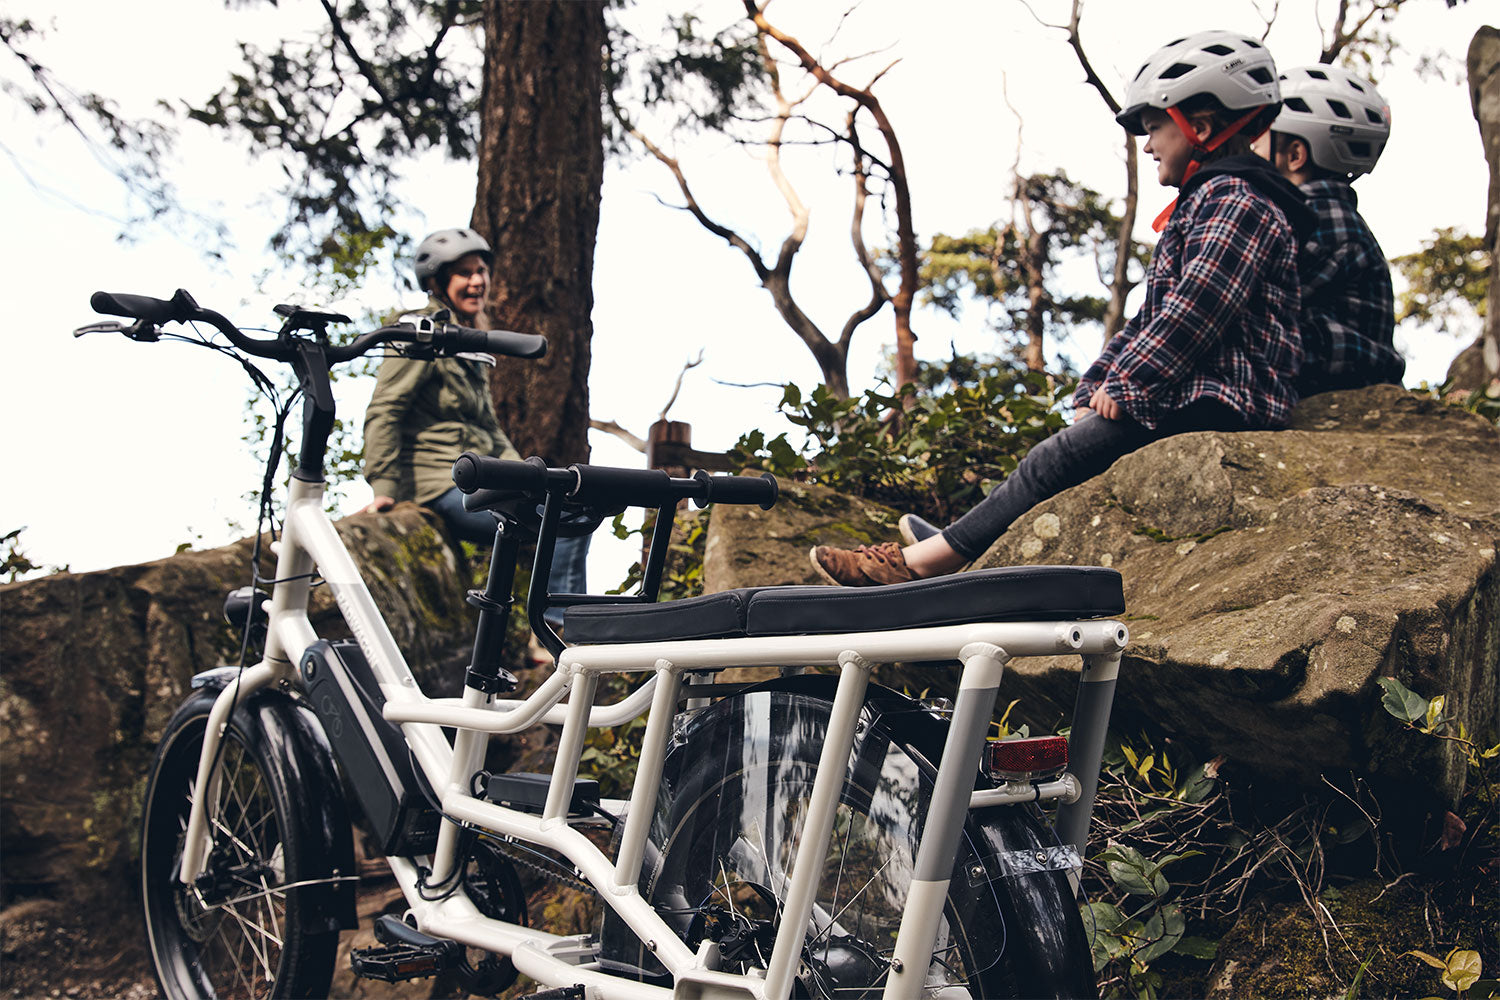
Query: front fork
x=289, y=596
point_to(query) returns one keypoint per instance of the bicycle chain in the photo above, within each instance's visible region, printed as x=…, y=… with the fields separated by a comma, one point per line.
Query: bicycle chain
x=552, y=869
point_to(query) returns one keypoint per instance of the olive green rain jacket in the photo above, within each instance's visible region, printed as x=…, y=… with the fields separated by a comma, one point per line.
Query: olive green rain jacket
x=423, y=415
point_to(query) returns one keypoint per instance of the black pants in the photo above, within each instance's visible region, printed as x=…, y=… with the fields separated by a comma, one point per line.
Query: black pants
x=1073, y=455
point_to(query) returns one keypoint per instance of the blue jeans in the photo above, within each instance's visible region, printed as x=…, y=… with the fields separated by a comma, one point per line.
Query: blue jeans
x=569, y=573
x=1073, y=455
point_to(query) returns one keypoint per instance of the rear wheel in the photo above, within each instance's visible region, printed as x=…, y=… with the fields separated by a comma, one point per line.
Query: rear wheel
x=729, y=822
x=246, y=929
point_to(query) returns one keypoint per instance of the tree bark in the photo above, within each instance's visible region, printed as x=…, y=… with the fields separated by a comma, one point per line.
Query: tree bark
x=1484, y=92
x=541, y=167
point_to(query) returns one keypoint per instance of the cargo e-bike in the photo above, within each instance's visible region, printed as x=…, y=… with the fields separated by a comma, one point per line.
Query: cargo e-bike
x=810, y=835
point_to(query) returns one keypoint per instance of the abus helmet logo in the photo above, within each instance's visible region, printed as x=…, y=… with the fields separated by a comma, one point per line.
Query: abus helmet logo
x=1233, y=65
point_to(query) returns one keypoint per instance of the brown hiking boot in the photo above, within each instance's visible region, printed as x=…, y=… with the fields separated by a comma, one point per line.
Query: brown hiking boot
x=866, y=566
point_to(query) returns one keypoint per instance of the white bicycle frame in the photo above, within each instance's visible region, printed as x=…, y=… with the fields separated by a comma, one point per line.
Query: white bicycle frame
x=566, y=698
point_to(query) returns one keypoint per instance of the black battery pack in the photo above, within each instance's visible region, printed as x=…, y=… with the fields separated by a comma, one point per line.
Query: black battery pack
x=371, y=751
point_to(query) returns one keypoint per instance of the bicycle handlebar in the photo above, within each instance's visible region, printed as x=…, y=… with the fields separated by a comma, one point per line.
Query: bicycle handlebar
x=603, y=485
x=445, y=338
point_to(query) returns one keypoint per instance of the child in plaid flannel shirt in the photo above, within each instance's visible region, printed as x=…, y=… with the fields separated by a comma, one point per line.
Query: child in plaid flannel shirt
x=1332, y=129
x=1215, y=346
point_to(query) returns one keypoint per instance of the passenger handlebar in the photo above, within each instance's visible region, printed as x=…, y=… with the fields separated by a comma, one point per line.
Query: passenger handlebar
x=603, y=485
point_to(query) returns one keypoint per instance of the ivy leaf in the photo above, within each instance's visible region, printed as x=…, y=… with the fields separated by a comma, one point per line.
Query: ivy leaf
x=1436, y=963
x=1164, y=930
x=1401, y=702
x=1462, y=969
x=1135, y=875
x=1197, y=947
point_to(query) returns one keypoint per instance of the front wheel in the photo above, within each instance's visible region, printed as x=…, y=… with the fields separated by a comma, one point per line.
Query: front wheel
x=258, y=923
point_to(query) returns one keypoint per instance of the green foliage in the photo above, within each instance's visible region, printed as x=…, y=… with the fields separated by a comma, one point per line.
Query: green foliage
x=1447, y=280
x=1430, y=717
x=936, y=446
x=998, y=266
x=611, y=756
x=1137, y=915
x=380, y=84
x=131, y=149
x=15, y=564
x=683, y=574
x=705, y=81
x=1460, y=970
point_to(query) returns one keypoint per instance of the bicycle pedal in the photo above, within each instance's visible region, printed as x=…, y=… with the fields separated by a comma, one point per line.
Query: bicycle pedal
x=561, y=993
x=404, y=953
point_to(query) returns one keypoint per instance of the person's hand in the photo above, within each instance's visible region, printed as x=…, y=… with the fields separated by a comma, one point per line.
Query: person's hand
x=377, y=505
x=1104, y=404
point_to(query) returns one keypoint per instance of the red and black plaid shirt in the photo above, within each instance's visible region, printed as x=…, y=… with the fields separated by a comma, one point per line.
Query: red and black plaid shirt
x=1220, y=317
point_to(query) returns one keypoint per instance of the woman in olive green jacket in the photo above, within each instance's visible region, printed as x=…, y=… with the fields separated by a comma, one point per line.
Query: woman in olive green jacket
x=424, y=414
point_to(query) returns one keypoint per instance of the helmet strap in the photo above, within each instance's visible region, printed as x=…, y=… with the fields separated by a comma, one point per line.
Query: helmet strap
x=1202, y=149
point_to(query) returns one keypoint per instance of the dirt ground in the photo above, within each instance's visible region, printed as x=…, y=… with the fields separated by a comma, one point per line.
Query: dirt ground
x=46, y=951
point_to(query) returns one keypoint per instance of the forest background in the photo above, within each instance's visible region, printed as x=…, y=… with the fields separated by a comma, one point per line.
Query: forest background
x=120, y=452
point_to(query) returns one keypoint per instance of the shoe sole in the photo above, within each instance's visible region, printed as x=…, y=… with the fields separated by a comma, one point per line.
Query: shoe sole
x=812, y=557
x=909, y=537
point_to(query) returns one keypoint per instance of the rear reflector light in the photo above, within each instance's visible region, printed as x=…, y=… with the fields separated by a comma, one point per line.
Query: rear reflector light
x=1019, y=758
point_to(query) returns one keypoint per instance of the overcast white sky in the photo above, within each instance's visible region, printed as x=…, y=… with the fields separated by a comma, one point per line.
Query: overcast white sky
x=115, y=452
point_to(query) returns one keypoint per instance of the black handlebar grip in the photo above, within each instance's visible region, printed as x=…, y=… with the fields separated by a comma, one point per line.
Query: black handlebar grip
x=480, y=472
x=759, y=490
x=506, y=342
x=135, y=306
x=633, y=487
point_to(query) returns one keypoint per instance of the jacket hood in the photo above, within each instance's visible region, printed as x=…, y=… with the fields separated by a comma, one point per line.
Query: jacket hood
x=1261, y=175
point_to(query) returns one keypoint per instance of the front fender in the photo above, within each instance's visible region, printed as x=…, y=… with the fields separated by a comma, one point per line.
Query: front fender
x=290, y=731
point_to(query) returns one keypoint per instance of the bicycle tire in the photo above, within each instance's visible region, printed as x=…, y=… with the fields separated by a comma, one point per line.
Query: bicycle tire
x=260, y=942
x=740, y=773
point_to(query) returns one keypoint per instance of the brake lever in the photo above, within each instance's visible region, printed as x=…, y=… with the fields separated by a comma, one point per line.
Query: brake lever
x=139, y=330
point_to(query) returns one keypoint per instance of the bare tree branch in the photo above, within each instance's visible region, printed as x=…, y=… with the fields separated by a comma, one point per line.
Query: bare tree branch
x=726, y=234
x=906, y=241
x=677, y=388
x=610, y=427
x=878, y=294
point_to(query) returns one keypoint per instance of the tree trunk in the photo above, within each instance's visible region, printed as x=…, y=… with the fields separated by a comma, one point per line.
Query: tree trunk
x=541, y=166
x=1484, y=92
x=1120, y=285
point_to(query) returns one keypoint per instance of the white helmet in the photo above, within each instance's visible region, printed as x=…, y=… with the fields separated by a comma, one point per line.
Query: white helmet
x=446, y=246
x=1343, y=119
x=1235, y=68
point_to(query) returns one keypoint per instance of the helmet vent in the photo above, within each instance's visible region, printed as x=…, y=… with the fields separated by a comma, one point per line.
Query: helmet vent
x=1339, y=108
x=1175, y=70
x=1355, y=84
x=1252, y=43
x=1262, y=76
x=1317, y=74
x=1218, y=50
x=1360, y=149
x=1374, y=117
x=1298, y=105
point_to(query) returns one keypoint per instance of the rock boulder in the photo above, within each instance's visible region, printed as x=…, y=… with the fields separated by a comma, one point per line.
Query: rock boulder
x=1270, y=579
x=95, y=663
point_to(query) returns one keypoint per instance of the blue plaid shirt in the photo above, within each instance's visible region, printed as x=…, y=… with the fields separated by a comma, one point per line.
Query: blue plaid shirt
x=1348, y=311
x=1220, y=317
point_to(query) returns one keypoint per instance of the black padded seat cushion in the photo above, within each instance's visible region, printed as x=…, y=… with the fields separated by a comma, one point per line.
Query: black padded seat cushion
x=712, y=616
x=1012, y=593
